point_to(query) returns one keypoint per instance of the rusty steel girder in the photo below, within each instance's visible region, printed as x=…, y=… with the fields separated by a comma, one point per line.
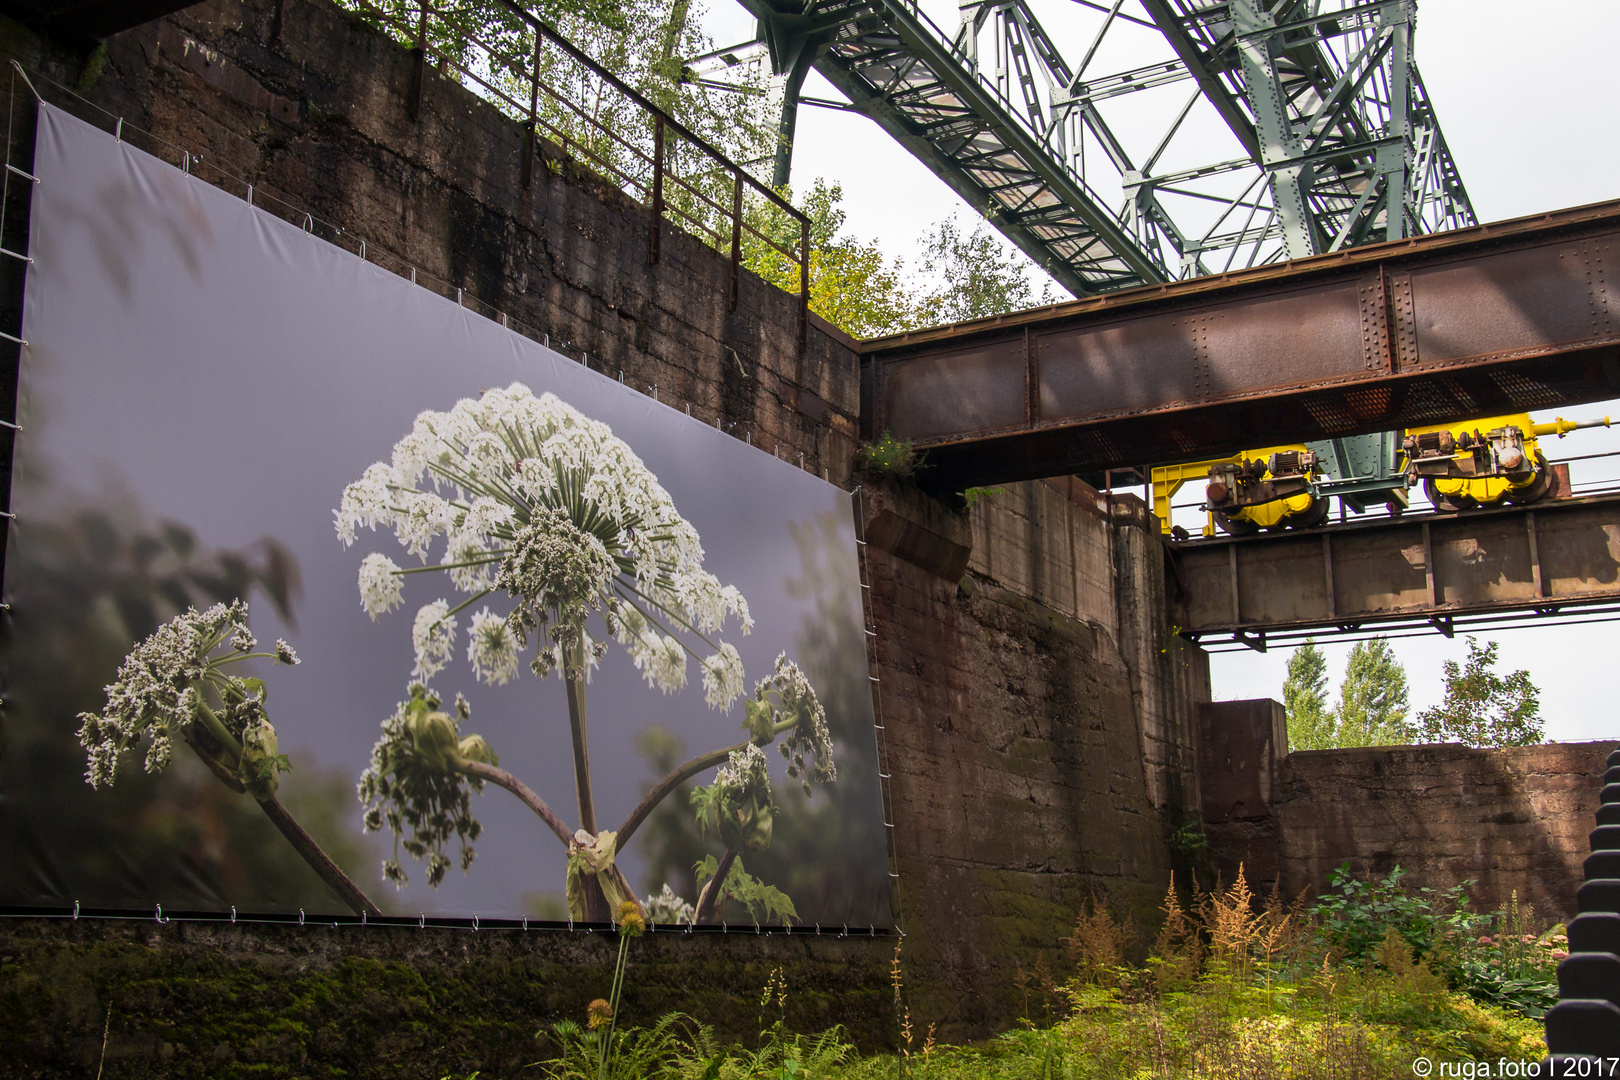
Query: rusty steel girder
x=1562, y=555
x=1498, y=318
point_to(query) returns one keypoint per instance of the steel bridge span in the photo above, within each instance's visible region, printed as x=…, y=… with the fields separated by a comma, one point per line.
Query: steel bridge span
x=1492, y=319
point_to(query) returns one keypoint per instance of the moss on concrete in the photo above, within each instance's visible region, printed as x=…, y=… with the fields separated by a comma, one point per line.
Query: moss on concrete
x=222, y=1002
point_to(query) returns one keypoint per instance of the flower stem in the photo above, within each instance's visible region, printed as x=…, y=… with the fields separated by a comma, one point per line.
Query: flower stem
x=596, y=906
x=574, y=661
x=318, y=859
x=710, y=897
x=501, y=778
x=675, y=778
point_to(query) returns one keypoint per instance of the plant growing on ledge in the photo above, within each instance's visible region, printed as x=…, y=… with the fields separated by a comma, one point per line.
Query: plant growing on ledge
x=891, y=457
x=172, y=685
x=549, y=509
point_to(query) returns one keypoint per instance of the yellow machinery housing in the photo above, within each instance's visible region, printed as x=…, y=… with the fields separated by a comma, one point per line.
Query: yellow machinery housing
x=1474, y=463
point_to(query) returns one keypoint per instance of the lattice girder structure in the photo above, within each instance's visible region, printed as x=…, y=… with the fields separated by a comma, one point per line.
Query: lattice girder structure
x=1303, y=126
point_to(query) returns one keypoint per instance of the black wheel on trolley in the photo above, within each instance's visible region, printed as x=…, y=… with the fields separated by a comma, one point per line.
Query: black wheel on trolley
x=1235, y=526
x=1314, y=516
x=1538, y=488
x=1448, y=504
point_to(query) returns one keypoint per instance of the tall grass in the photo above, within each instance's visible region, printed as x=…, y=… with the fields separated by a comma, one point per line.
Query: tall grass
x=1232, y=988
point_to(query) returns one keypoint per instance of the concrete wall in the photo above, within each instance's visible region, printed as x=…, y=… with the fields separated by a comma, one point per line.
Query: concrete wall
x=1039, y=723
x=1039, y=713
x=1513, y=820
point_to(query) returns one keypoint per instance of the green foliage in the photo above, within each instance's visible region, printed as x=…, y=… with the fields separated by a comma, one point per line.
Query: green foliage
x=1512, y=966
x=1357, y=917
x=1310, y=721
x=1372, y=698
x=765, y=904
x=852, y=284
x=639, y=41
x=862, y=292
x=1481, y=707
x=666, y=1049
x=973, y=496
x=977, y=276
x=891, y=457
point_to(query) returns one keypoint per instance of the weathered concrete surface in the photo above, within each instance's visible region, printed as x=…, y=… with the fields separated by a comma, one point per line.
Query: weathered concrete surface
x=307, y=104
x=212, y=1000
x=1513, y=820
x=1036, y=756
x=1039, y=714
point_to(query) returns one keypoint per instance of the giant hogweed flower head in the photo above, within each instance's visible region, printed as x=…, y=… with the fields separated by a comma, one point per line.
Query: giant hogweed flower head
x=171, y=685
x=535, y=500
x=417, y=786
x=739, y=805
x=784, y=702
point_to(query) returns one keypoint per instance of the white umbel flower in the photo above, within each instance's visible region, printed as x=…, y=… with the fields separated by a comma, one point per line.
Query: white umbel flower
x=723, y=677
x=534, y=499
x=492, y=648
x=366, y=501
x=434, y=638
x=380, y=587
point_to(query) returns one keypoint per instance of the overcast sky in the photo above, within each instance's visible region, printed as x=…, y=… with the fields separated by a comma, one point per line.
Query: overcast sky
x=1525, y=98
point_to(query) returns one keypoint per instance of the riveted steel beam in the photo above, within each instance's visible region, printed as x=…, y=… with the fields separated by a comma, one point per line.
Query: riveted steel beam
x=1439, y=571
x=1497, y=318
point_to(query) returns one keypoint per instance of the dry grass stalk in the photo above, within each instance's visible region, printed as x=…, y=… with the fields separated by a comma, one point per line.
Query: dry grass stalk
x=1099, y=943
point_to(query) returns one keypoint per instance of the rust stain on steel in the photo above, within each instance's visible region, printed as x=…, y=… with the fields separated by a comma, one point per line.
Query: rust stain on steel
x=1563, y=553
x=1497, y=318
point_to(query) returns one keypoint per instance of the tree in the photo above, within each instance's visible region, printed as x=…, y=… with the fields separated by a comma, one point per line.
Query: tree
x=978, y=276
x=852, y=285
x=1372, y=698
x=1483, y=708
x=1310, y=720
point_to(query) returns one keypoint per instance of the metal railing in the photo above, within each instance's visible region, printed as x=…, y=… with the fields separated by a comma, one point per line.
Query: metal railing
x=542, y=80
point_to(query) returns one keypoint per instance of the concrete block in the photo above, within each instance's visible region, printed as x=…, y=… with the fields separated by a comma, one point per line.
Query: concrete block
x=1591, y=975
x=1597, y=931
x=1600, y=895
x=1584, y=1027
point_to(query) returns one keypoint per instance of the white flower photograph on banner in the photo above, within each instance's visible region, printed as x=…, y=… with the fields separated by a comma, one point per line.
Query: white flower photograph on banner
x=545, y=647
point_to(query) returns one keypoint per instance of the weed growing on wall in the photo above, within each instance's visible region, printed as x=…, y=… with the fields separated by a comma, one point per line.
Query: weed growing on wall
x=890, y=457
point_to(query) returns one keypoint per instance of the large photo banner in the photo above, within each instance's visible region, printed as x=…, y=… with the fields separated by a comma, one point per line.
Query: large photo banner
x=329, y=595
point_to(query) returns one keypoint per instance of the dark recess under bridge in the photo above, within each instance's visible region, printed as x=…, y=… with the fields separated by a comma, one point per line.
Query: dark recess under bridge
x=1493, y=319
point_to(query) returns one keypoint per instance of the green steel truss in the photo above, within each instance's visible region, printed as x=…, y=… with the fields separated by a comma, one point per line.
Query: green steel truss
x=1241, y=133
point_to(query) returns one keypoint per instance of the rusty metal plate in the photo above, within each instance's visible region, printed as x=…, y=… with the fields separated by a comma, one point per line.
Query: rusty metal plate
x=1320, y=333
x=982, y=388
x=1503, y=302
x=1482, y=560
x=1580, y=552
x=1282, y=581
x=1208, y=588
